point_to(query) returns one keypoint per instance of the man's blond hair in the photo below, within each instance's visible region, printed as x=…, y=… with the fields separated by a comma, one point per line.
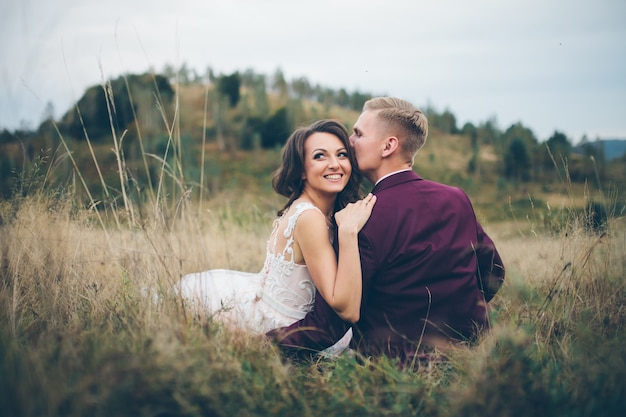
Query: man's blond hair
x=404, y=120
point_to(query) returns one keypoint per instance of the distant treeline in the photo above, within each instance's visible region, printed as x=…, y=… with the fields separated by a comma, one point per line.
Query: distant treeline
x=169, y=115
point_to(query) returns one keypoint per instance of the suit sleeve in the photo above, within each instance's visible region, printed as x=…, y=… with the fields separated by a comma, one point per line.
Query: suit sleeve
x=490, y=265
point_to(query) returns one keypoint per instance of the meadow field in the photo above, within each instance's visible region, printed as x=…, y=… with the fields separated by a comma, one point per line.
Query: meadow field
x=89, y=326
x=82, y=333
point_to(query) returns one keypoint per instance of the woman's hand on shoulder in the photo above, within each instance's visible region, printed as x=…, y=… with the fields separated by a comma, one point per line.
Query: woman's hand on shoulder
x=355, y=215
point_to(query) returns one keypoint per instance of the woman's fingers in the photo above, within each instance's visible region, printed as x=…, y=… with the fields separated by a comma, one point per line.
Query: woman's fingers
x=356, y=213
x=361, y=210
x=370, y=199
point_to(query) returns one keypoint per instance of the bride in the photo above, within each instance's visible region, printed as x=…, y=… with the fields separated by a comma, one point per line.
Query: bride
x=317, y=177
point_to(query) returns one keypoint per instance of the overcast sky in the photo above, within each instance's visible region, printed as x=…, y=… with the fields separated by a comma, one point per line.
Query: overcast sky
x=550, y=64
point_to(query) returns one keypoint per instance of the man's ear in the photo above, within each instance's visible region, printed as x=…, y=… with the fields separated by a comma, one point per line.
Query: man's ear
x=390, y=145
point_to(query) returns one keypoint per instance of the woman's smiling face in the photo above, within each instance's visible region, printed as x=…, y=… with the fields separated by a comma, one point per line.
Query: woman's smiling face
x=327, y=166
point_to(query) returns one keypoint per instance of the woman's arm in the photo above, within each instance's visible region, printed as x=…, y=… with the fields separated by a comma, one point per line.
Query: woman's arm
x=339, y=280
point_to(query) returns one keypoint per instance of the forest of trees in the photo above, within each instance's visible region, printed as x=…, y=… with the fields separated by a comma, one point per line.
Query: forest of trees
x=245, y=111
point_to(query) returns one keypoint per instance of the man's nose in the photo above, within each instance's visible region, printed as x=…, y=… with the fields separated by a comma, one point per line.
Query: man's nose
x=351, y=140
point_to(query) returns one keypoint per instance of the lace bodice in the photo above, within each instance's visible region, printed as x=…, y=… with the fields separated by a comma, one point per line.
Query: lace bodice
x=287, y=286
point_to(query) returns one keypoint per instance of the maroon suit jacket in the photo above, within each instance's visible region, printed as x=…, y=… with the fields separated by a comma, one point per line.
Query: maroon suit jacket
x=428, y=269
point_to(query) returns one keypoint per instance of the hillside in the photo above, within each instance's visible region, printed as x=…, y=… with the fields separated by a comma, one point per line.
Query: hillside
x=611, y=148
x=197, y=140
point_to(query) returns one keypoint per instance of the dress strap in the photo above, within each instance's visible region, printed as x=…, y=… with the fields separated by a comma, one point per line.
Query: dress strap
x=291, y=224
x=300, y=208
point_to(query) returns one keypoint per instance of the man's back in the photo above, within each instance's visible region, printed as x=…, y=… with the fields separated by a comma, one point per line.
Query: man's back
x=420, y=254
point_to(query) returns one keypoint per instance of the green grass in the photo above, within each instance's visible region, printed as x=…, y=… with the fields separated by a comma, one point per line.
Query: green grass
x=78, y=335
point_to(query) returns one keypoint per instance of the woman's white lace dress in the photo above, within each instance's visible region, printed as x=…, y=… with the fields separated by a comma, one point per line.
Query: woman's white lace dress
x=279, y=295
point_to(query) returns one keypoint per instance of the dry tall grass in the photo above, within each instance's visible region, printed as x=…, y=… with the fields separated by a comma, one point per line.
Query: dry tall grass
x=79, y=336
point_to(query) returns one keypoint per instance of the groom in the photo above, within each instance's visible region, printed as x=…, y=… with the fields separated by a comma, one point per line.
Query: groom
x=429, y=269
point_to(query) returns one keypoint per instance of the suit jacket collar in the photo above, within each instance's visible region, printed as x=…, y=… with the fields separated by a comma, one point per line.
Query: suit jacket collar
x=395, y=179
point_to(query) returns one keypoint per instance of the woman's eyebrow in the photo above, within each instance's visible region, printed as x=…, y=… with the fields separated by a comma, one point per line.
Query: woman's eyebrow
x=343, y=148
x=319, y=149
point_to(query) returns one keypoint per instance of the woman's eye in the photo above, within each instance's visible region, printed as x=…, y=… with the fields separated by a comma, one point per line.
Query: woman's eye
x=318, y=156
x=343, y=154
